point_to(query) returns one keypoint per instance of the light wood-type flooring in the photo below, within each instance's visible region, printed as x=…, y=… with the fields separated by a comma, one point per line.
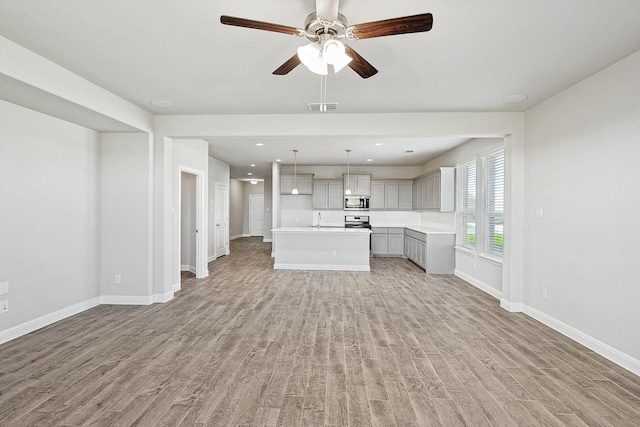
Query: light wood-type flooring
x=250, y=346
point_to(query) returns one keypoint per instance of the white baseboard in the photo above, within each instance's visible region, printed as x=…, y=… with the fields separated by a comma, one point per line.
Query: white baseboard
x=188, y=268
x=126, y=300
x=325, y=267
x=47, y=319
x=267, y=240
x=513, y=307
x=478, y=284
x=613, y=354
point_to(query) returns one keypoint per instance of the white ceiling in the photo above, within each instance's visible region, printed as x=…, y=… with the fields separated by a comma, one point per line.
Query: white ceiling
x=478, y=53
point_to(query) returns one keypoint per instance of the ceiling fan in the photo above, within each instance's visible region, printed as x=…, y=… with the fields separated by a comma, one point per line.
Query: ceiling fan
x=326, y=28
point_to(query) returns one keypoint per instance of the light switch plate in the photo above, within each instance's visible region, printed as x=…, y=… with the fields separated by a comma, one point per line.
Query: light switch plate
x=4, y=288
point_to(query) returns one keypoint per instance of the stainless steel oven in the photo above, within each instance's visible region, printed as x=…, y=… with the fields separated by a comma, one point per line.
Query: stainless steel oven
x=359, y=221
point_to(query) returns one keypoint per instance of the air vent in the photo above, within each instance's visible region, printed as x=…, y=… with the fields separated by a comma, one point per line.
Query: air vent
x=322, y=106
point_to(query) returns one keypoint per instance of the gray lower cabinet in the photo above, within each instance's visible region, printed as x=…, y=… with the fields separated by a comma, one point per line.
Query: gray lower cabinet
x=387, y=241
x=432, y=251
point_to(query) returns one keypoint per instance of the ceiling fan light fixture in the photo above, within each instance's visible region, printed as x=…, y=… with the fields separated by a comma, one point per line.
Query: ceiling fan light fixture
x=311, y=56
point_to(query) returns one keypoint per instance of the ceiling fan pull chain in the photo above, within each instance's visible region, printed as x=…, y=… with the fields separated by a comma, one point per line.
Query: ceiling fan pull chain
x=323, y=93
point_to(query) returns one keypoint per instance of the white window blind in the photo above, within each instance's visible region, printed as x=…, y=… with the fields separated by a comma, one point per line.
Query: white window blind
x=466, y=205
x=493, y=204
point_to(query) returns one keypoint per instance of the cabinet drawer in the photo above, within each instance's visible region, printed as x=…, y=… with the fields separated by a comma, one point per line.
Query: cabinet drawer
x=396, y=230
x=416, y=235
x=379, y=230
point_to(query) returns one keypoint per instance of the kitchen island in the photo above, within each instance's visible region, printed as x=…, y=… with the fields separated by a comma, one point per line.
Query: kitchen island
x=321, y=248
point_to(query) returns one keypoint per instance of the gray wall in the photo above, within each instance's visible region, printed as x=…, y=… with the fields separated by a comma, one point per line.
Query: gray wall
x=236, y=208
x=582, y=158
x=124, y=215
x=49, y=223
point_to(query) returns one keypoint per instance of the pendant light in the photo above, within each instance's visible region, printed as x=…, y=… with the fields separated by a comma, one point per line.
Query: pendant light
x=347, y=190
x=295, y=172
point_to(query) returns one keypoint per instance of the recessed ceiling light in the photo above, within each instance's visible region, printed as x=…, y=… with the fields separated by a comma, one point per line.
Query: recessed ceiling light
x=250, y=173
x=379, y=144
x=252, y=165
x=253, y=181
x=369, y=160
x=278, y=160
x=161, y=103
x=515, y=99
x=259, y=144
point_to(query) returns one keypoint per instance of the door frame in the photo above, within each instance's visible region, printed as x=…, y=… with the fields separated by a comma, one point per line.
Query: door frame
x=252, y=197
x=201, y=224
x=226, y=215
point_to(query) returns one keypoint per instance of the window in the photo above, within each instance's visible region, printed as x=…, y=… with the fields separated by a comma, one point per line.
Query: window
x=466, y=205
x=493, y=204
x=480, y=223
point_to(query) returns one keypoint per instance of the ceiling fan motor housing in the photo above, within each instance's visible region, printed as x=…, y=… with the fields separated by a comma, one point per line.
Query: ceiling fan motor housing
x=315, y=27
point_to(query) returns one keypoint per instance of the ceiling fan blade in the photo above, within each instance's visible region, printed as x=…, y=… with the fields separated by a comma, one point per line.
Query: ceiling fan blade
x=327, y=10
x=359, y=64
x=393, y=26
x=289, y=65
x=259, y=25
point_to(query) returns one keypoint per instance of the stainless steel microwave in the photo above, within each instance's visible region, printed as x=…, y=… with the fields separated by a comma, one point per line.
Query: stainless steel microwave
x=356, y=203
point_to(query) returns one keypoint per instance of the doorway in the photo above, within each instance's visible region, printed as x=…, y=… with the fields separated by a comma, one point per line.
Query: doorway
x=191, y=227
x=256, y=214
x=188, y=229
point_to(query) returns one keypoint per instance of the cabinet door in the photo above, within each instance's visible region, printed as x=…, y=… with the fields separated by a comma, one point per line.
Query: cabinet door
x=379, y=242
x=420, y=198
x=405, y=190
x=433, y=191
x=305, y=184
x=391, y=195
x=286, y=184
x=336, y=195
x=364, y=185
x=396, y=244
x=377, y=200
x=320, y=194
x=351, y=182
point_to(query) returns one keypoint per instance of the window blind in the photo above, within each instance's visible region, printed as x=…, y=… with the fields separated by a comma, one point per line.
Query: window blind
x=493, y=204
x=466, y=205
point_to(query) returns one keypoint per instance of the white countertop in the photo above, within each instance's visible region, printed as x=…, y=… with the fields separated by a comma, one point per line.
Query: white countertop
x=419, y=228
x=325, y=230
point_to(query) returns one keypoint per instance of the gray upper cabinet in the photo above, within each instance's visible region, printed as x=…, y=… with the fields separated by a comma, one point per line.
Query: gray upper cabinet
x=328, y=194
x=304, y=182
x=360, y=184
x=435, y=190
x=391, y=194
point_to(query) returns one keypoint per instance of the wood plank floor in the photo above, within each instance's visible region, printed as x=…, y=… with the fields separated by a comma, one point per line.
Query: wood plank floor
x=250, y=346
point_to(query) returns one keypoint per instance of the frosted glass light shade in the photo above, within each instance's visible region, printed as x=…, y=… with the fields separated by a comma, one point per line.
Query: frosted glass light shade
x=333, y=53
x=295, y=190
x=316, y=58
x=311, y=56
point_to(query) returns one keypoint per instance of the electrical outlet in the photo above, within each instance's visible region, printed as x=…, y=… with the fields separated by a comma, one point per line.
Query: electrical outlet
x=544, y=293
x=333, y=253
x=4, y=306
x=118, y=279
x=539, y=213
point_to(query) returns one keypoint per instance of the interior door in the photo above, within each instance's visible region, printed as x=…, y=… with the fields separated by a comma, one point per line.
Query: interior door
x=222, y=220
x=256, y=214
